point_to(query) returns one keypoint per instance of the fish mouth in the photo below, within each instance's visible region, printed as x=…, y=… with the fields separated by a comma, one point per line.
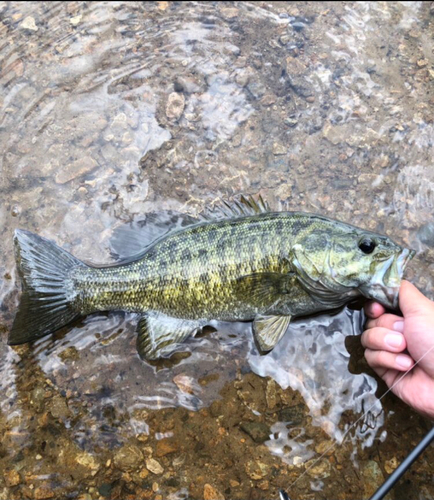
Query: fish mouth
x=385, y=285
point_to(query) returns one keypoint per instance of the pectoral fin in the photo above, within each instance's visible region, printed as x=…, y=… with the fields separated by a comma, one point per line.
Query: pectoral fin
x=158, y=334
x=263, y=288
x=268, y=330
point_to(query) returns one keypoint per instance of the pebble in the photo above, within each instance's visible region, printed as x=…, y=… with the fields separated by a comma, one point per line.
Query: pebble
x=334, y=134
x=87, y=460
x=257, y=470
x=184, y=383
x=258, y=431
x=268, y=100
x=295, y=66
x=153, y=466
x=165, y=447
x=175, y=105
x=12, y=478
x=59, y=408
x=187, y=85
x=242, y=78
x=372, y=478
x=211, y=493
x=271, y=394
x=279, y=149
x=256, y=88
x=128, y=457
x=294, y=414
x=29, y=24
x=75, y=169
x=15, y=211
x=75, y=20
x=43, y=492
x=325, y=446
x=285, y=39
x=264, y=485
x=229, y=12
x=391, y=465
x=425, y=234
x=319, y=470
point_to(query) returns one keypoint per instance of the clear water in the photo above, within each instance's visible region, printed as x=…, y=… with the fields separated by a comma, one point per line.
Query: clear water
x=110, y=110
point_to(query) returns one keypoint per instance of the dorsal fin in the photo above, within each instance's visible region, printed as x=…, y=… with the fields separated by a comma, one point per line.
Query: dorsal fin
x=239, y=207
x=130, y=240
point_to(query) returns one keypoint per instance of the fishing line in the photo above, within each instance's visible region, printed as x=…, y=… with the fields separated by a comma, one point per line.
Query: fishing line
x=331, y=447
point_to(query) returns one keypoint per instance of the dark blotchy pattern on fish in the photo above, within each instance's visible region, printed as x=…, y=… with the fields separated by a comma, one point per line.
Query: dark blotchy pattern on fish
x=195, y=273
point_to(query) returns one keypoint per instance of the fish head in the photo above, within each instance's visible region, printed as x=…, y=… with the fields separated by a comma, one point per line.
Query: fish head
x=342, y=261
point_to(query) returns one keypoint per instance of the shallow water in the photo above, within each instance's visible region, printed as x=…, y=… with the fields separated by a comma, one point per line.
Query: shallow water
x=112, y=110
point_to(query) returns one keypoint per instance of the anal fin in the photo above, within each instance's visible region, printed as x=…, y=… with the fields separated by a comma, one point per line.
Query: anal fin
x=158, y=334
x=269, y=330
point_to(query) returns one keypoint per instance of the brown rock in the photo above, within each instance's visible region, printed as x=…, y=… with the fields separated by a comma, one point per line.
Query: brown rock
x=43, y=492
x=78, y=168
x=12, y=478
x=165, y=447
x=268, y=100
x=391, y=465
x=211, y=493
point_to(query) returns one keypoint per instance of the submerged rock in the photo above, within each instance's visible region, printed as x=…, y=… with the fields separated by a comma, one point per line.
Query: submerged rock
x=211, y=493
x=294, y=414
x=426, y=234
x=373, y=478
x=12, y=478
x=153, y=466
x=128, y=457
x=175, y=105
x=257, y=470
x=258, y=431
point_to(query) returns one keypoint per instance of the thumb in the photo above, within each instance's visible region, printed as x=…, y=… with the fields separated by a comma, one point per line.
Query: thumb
x=411, y=301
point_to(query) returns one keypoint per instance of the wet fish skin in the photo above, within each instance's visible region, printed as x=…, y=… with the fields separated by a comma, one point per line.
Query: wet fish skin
x=252, y=264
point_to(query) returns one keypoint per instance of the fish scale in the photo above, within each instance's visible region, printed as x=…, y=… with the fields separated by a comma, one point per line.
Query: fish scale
x=242, y=262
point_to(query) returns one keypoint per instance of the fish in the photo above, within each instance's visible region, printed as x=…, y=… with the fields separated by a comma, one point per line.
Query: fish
x=240, y=261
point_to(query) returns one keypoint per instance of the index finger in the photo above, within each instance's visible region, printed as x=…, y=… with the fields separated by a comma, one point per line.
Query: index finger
x=374, y=309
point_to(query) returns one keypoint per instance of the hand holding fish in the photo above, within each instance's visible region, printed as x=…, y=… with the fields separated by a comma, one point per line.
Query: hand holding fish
x=388, y=336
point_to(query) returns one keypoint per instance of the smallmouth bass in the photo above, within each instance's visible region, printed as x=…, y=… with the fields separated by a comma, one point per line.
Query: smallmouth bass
x=241, y=263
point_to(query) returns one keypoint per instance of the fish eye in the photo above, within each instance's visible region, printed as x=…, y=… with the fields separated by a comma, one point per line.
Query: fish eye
x=367, y=245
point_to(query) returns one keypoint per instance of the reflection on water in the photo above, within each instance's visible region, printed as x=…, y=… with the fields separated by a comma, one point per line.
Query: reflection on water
x=111, y=110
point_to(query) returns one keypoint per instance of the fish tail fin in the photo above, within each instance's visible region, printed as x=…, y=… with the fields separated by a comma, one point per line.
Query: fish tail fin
x=47, y=292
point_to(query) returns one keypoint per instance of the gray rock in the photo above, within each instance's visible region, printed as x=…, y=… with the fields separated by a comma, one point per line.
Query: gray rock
x=258, y=431
x=426, y=234
x=257, y=89
x=175, y=105
x=293, y=414
x=187, y=85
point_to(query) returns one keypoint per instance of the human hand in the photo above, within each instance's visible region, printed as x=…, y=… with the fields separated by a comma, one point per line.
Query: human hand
x=393, y=344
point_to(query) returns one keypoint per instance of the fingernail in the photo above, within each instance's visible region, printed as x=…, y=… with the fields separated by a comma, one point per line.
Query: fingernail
x=398, y=326
x=394, y=339
x=403, y=361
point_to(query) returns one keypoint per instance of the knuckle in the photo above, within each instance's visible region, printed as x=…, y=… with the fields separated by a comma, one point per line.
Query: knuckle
x=368, y=338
